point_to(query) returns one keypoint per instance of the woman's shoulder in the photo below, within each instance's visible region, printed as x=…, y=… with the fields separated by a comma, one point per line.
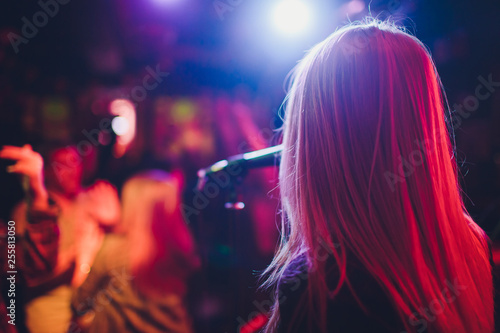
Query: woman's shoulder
x=363, y=305
x=297, y=268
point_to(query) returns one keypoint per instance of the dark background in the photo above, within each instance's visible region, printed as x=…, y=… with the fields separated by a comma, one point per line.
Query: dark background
x=93, y=50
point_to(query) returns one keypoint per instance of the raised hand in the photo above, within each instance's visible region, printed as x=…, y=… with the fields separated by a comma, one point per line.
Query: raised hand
x=28, y=164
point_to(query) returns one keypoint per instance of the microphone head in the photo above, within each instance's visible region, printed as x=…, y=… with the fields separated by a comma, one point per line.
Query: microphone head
x=251, y=160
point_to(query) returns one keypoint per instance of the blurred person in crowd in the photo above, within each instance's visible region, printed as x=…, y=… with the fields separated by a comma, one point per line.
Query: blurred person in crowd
x=138, y=281
x=35, y=253
x=85, y=216
x=376, y=236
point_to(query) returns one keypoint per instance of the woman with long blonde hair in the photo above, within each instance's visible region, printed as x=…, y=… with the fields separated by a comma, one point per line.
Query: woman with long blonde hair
x=375, y=234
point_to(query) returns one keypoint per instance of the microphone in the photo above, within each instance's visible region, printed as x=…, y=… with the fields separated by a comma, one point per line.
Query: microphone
x=238, y=165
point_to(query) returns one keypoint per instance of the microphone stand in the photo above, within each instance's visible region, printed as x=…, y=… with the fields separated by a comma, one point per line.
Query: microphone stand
x=227, y=175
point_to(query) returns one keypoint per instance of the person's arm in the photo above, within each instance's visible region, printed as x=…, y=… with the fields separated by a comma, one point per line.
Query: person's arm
x=28, y=164
x=40, y=243
x=85, y=296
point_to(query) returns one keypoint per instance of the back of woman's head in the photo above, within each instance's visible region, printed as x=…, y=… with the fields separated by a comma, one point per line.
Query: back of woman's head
x=368, y=170
x=162, y=250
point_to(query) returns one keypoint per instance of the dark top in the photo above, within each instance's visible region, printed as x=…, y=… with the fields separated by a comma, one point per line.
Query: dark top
x=344, y=314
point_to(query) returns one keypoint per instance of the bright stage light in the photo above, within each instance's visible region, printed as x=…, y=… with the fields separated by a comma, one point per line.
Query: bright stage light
x=166, y=2
x=120, y=125
x=291, y=16
x=123, y=125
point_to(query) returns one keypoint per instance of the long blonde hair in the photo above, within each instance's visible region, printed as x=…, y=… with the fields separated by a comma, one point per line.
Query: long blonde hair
x=368, y=170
